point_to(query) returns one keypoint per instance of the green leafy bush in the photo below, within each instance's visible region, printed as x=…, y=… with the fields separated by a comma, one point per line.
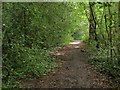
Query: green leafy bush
x=103, y=63
x=23, y=62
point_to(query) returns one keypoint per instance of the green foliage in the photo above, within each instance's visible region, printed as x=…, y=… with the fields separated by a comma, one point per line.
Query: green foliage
x=104, y=51
x=30, y=32
x=104, y=64
x=27, y=63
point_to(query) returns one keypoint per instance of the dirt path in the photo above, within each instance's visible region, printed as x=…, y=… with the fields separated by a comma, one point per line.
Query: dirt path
x=73, y=71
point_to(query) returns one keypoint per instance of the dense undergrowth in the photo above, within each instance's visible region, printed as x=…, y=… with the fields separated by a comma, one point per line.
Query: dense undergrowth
x=27, y=63
x=103, y=63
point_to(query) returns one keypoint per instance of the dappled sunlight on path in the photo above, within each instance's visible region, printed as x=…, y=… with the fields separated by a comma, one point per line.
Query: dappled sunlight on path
x=67, y=48
x=75, y=42
x=72, y=45
x=73, y=71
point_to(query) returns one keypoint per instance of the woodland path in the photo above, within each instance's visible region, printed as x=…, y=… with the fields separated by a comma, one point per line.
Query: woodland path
x=74, y=71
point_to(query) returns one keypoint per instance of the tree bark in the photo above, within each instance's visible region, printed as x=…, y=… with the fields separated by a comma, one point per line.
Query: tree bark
x=110, y=31
x=118, y=46
x=105, y=20
x=92, y=25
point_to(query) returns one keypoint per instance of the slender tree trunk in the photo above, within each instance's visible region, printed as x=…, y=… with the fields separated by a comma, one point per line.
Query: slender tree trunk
x=92, y=25
x=110, y=32
x=91, y=30
x=118, y=46
x=105, y=20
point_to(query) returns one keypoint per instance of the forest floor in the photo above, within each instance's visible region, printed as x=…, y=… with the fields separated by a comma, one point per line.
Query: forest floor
x=74, y=71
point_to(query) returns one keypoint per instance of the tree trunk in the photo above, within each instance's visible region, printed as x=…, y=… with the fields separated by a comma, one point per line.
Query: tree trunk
x=118, y=46
x=110, y=31
x=92, y=25
x=105, y=20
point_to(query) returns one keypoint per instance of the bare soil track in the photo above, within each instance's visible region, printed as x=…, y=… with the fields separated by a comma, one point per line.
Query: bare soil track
x=74, y=71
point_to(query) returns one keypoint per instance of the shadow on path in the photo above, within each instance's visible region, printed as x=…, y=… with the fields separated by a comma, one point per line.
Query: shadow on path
x=74, y=71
